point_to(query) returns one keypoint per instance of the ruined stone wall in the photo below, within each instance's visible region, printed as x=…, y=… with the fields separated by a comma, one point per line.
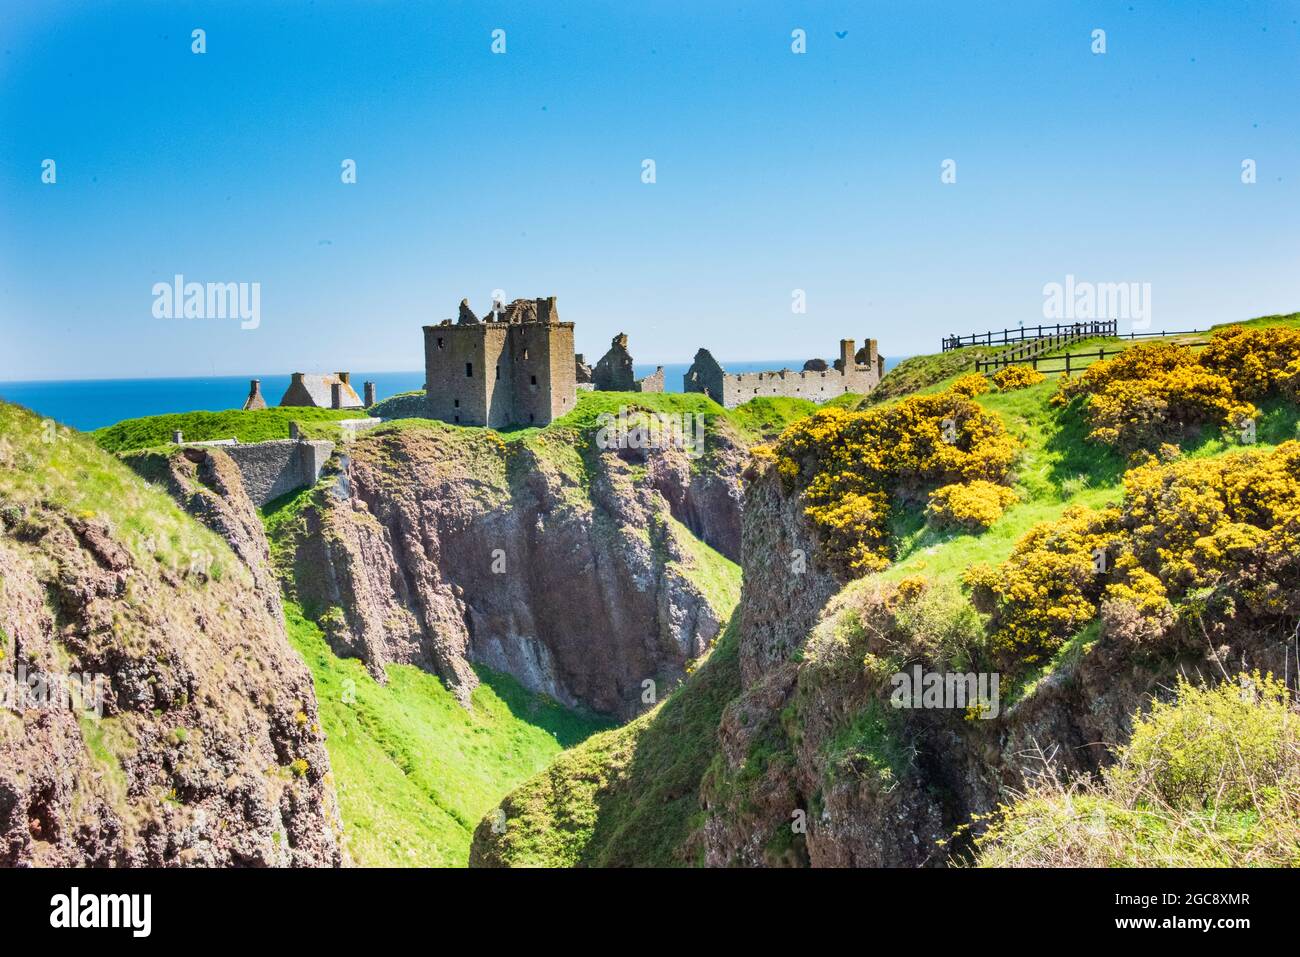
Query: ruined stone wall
x=857, y=373
x=275, y=468
x=817, y=386
x=651, y=383
x=705, y=375
x=498, y=381
x=501, y=373
x=564, y=387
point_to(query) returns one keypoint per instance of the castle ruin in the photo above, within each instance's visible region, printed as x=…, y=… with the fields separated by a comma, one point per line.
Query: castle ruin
x=857, y=372
x=515, y=366
x=614, y=373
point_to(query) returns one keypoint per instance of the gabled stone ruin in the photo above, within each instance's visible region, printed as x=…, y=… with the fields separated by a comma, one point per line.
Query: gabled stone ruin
x=321, y=391
x=614, y=372
x=255, y=400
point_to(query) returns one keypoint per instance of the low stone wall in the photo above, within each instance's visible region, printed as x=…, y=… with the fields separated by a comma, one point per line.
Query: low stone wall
x=275, y=468
x=358, y=425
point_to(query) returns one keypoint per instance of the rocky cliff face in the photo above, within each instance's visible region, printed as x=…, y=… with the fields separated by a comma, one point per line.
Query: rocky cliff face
x=208, y=751
x=572, y=568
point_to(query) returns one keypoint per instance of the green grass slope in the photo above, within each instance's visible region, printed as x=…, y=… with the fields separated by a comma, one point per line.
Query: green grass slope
x=414, y=770
x=1057, y=468
x=919, y=373
x=41, y=461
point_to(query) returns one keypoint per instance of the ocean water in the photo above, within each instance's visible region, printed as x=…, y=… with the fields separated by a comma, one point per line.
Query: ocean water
x=87, y=404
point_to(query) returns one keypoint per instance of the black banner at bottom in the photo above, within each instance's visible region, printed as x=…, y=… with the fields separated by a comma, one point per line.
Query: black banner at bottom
x=358, y=905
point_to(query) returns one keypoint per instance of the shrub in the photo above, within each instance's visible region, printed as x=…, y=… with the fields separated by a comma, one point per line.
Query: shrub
x=877, y=627
x=853, y=466
x=1289, y=384
x=1225, y=748
x=1047, y=589
x=1193, y=520
x=1231, y=522
x=1255, y=361
x=1150, y=393
x=970, y=385
x=938, y=621
x=1136, y=608
x=1211, y=779
x=1140, y=413
x=1013, y=377
x=1153, y=392
x=973, y=506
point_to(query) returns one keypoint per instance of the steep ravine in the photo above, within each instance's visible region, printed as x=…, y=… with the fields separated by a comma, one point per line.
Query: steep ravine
x=584, y=575
x=574, y=569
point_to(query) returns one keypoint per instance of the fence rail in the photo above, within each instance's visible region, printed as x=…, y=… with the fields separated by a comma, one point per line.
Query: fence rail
x=1067, y=363
x=1024, y=334
x=1036, y=347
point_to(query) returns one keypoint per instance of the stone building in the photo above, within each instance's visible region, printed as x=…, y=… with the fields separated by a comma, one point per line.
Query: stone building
x=858, y=372
x=614, y=371
x=515, y=366
x=321, y=391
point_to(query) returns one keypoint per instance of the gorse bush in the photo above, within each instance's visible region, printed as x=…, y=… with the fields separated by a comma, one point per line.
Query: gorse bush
x=853, y=467
x=1255, y=361
x=1231, y=522
x=1014, y=377
x=1194, y=520
x=973, y=506
x=1047, y=589
x=970, y=385
x=1151, y=393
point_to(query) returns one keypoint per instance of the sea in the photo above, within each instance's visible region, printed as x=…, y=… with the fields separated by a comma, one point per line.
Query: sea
x=87, y=404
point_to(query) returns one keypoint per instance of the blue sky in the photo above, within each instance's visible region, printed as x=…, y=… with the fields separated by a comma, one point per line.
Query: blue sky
x=522, y=172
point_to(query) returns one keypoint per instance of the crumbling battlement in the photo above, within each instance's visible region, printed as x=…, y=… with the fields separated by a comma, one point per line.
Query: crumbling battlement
x=857, y=372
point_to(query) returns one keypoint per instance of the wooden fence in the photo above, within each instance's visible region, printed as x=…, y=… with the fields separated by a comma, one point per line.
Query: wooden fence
x=1025, y=334
x=1064, y=364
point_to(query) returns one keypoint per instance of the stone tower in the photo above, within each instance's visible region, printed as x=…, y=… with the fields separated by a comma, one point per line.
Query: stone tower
x=513, y=367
